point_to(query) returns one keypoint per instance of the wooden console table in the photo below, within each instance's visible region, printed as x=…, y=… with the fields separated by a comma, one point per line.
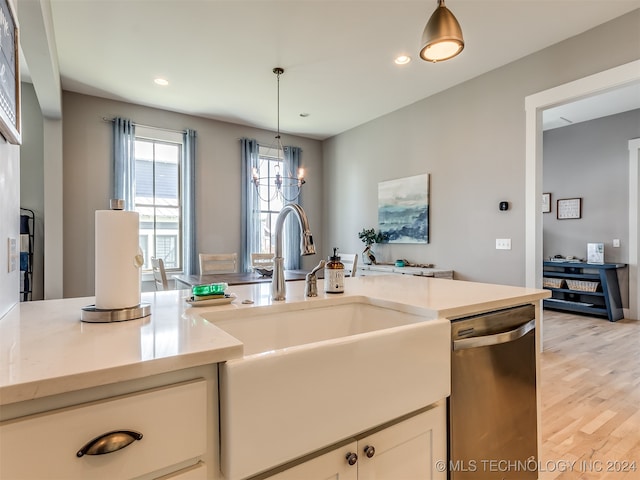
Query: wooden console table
x=571, y=291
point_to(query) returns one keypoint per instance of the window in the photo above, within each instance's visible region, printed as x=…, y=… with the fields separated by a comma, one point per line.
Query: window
x=259, y=215
x=158, y=200
x=269, y=207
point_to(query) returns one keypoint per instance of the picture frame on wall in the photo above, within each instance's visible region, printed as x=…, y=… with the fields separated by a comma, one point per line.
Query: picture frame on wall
x=569, y=208
x=546, y=202
x=10, y=108
x=403, y=209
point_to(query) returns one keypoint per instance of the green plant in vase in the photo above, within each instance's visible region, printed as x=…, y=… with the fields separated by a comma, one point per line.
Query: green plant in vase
x=369, y=237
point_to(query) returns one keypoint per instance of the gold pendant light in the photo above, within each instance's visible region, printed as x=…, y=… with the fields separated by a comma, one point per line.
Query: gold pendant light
x=442, y=37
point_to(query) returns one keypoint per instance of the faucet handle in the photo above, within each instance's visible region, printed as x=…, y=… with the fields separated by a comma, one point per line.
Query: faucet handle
x=311, y=284
x=320, y=266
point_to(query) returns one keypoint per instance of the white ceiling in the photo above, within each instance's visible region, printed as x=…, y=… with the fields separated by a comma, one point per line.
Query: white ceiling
x=620, y=100
x=338, y=55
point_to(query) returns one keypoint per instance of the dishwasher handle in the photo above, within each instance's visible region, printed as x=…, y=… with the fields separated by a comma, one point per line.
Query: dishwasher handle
x=496, y=339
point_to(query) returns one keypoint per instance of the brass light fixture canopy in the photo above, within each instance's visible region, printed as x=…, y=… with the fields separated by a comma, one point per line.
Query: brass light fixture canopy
x=442, y=37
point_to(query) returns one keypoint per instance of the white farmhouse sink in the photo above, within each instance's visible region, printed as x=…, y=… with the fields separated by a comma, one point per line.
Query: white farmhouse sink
x=318, y=374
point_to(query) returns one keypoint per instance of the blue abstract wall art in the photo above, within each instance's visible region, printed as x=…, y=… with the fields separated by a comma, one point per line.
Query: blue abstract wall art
x=403, y=209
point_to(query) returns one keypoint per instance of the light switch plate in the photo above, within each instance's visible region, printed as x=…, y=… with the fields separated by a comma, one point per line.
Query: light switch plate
x=503, y=244
x=616, y=242
x=12, y=254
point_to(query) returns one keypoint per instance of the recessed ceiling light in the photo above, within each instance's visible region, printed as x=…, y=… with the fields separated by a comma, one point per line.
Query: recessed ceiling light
x=402, y=60
x=161, y=81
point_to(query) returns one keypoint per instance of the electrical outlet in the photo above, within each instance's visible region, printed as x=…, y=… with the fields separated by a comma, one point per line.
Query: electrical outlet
x=503, y=244
x=616, y=242
x=12, y=254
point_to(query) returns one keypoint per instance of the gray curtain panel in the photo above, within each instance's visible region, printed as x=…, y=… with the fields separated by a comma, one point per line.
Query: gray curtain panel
x=291, y=249
x=124, y=162
x=250, y=204
x=190, y=256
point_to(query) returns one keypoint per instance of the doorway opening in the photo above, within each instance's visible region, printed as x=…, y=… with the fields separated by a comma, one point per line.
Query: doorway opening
x=534, y=105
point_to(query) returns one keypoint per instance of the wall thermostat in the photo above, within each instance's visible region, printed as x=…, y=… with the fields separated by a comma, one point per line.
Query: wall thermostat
x=504, y=206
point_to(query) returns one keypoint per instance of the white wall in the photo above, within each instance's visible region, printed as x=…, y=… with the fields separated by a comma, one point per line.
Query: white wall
x=9, y=219
x=9, y=222
x=87, y=159
x=471, y=139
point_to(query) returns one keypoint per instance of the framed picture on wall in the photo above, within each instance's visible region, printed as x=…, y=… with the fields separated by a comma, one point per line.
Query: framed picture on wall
x=546, y=202
x=10, y=122
x=568, y=208
x=403, y=209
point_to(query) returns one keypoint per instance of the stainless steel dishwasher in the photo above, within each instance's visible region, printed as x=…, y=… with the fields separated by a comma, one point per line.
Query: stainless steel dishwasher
x=492, y=408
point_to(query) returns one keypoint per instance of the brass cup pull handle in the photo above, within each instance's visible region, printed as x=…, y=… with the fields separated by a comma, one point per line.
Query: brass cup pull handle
x=352, y=458
x=109, y=442
x=369, y=451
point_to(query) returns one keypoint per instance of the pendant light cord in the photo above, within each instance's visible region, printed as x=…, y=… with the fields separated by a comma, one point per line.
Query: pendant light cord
x=278, y=71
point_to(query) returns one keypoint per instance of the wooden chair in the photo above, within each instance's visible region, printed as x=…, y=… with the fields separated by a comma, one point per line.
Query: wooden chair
x=262, y=260
x=159, y=274
x=350, y=262
x=218, y=263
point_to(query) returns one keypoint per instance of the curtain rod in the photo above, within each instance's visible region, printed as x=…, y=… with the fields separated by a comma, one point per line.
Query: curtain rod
x=110, y=120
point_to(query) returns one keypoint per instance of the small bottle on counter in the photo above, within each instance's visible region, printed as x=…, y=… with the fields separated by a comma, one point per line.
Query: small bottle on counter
x=334, y=274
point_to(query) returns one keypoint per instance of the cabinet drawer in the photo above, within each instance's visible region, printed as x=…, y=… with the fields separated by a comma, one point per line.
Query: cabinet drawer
x=172, y=421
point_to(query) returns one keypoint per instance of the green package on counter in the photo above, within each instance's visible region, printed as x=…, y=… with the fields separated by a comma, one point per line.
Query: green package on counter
x=209, y=289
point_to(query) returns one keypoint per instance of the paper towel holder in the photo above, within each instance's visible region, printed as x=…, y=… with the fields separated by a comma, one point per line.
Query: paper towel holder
x=91, y=314
x=116, y=204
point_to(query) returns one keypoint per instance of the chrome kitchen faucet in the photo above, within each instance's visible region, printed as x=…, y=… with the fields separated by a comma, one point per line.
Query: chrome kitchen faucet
x=278, y=288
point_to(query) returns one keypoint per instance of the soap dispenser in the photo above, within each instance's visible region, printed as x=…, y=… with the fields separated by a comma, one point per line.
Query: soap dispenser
x=334, y=274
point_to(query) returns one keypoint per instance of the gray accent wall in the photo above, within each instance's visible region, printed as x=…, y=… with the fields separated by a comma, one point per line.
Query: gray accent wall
x=32, y=179
x=590, y=160
x=471, y=139
x=87, y=161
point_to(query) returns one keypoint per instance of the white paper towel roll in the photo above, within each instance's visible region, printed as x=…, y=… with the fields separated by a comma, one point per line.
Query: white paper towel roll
x=117, y=274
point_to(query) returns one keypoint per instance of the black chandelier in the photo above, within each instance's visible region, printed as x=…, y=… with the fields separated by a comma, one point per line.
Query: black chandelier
x=279, y=183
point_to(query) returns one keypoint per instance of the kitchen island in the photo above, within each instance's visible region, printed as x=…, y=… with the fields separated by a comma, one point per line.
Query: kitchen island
x=165, y=367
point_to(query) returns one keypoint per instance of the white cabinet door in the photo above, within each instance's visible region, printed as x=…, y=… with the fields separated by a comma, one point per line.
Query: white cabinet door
x=414, y=449
x=333, y=465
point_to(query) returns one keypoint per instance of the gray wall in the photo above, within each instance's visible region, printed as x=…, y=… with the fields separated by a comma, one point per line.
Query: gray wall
x=471, y=139
x=32, y=178
x=590, y=160
x=87, y=160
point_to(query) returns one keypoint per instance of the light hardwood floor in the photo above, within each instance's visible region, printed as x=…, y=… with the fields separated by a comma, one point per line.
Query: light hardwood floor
x=590, y=387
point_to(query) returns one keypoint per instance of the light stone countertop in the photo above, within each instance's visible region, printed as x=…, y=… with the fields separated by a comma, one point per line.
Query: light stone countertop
x=46, y=350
